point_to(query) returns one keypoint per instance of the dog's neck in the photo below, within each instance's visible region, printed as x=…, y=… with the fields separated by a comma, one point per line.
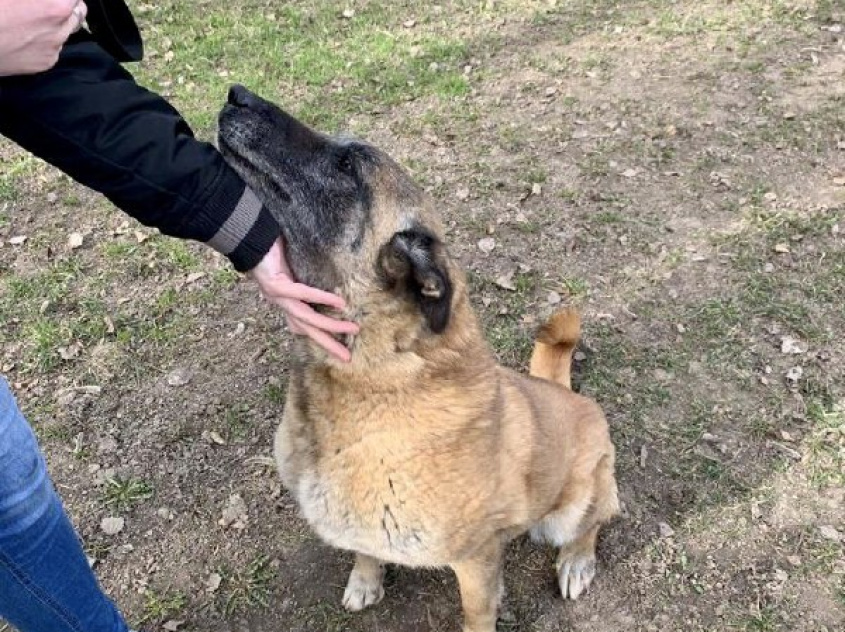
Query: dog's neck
x=395, y=347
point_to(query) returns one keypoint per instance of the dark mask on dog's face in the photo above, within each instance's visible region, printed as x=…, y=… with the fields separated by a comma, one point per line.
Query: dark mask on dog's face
x=346, y=209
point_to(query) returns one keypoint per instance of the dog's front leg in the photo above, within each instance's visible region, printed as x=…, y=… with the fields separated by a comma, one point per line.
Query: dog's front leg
x=482, y=587
x=364, y=587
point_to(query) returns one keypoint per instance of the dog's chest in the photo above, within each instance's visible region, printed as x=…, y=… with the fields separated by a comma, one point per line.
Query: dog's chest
x=365, y=506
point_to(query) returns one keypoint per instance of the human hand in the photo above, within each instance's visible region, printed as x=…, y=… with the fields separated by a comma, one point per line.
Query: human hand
x=278, y=286
x=32, y=33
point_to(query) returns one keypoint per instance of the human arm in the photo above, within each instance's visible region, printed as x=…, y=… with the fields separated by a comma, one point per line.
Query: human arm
x=88, y=117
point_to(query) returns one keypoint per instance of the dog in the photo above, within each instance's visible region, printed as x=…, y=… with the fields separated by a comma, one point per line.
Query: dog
x=421, y=450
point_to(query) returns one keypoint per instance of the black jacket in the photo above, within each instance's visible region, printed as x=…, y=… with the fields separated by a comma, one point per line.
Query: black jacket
x=89, y=118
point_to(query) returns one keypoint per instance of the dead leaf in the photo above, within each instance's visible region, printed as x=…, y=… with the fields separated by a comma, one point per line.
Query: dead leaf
x=790, y=346
x=112, y=525
x=794, y=374
x=213, y=582
x=505, y=281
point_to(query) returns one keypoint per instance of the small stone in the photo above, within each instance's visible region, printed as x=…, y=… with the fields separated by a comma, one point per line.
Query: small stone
x=829, y=532
x=794, y=560
x=112, y=525
x=349, y=13
x=665, y=530
x=781, y=249
x=769, y=268
x=579, y=356
x=409, y=24
x=486, y=245
x=18, y=240
x=178, y=377
x=709, y=438
x=536, y=189
x=462, y=194
x=172, y=625
x=680, y=328
x=75, y=240
x=553, y=298
x=630, y=173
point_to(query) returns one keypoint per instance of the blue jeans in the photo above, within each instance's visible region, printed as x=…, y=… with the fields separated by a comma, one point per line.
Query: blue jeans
x=46, y=584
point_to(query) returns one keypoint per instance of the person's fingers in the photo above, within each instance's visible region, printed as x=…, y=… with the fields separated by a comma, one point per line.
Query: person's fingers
x=324, y=340
x=76, y=19
x=294, y=326
x=306, y=314
x=302, y=292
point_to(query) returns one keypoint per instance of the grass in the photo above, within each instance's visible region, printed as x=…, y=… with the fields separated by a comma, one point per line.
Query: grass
x=314, y=60
x=161, y=606
x=247, y=588
x=124, y=493
x=122, y=306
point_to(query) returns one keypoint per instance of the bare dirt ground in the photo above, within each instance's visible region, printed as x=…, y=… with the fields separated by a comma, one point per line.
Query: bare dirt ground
x=675, y=168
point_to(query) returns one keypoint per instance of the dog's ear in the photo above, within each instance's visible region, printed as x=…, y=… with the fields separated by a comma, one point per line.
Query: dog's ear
x=413, y=262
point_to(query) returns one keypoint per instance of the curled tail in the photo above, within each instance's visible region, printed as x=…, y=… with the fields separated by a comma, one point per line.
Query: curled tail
x=556, y=341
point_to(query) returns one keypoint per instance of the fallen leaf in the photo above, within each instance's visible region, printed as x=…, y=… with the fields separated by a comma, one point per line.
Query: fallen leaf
x=112, y=525
x=790, y=346
x=665, y=530
x=505, y=281
x=213, y=582
x=794, y=374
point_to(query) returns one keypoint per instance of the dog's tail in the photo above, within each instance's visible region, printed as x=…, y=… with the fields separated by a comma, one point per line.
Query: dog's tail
x=555, y=344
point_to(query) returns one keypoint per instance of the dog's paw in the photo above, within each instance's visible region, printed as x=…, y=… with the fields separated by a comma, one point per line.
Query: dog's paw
x=362, y=591
x=575, y=574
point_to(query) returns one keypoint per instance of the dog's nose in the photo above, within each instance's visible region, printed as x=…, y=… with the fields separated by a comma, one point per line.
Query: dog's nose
x=241, y=97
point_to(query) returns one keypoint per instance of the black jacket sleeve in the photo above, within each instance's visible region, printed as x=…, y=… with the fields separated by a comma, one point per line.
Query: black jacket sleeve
x=89, y=118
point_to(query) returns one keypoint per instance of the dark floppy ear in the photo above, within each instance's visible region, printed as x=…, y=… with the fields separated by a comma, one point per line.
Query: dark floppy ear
x=413, y=262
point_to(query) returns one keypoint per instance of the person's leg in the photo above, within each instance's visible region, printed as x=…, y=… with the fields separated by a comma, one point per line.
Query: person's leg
x=46, y=584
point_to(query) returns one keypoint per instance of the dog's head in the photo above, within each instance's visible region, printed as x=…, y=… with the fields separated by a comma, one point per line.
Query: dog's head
x=354, y=221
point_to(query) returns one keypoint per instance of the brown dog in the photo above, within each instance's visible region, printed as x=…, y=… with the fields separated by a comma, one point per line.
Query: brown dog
x=422, y=450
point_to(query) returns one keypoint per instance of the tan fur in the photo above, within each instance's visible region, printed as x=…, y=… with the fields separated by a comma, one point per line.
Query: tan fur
x=423, y=451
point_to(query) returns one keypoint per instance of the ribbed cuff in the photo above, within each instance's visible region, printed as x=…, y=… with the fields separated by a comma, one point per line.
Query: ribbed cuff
x=257, y=242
